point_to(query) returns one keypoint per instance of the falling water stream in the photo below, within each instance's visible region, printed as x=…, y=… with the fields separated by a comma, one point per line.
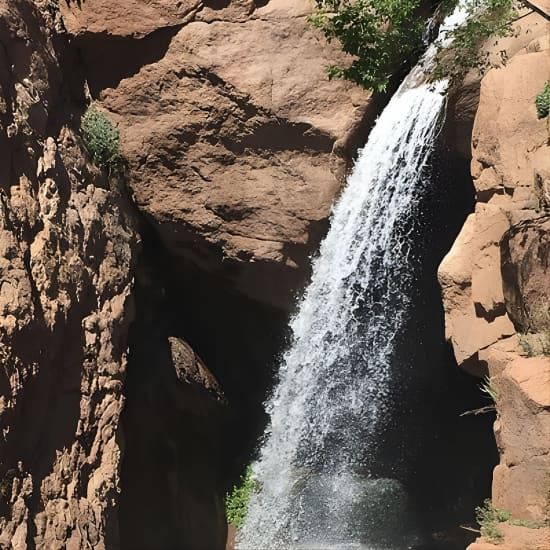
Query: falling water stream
x=315, y=470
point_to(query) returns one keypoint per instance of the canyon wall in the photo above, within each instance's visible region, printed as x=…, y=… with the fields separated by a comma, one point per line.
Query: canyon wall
x=68, y=244
x=236, y=141
x=235, y=145
x=496, y=280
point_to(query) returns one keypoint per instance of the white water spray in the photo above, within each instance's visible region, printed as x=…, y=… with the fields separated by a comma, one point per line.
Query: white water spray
x=334, y=387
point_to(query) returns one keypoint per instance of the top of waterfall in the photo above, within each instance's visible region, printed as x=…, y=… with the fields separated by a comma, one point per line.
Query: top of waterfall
x=418, y=74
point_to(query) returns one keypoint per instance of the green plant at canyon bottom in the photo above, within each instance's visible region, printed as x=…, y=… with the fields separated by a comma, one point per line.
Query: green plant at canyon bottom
x=542, y=101
x=102, y=140
x=489, y=518
x=236, y=502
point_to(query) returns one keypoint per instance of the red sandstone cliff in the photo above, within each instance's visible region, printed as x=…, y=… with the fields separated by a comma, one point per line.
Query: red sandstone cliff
x=236, y=144
x=68, y=244
x=496, y=280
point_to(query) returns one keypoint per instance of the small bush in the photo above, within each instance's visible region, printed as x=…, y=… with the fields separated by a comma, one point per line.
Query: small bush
x=102, y=139
x=536, y=340
x=535, y=344
x=490, y=389
x=542, y=101
x=383, y=36
x=528, y=523
x=236, y=502
x=486, y=19
x=488, y=518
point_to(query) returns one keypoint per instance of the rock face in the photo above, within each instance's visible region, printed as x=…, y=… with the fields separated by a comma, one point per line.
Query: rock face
x=236, y=145
x=134, y=18
x=495, y=280
x=236, y=140
x=67, y=248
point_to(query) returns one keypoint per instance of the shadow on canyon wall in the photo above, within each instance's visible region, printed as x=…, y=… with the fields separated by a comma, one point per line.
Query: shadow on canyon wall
x=184, y=450
x=445, y=460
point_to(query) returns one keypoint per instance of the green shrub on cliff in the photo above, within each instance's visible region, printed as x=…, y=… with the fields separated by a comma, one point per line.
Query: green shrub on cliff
x=542, y=101
x=536, y=341
x=488, y=387
x=486, y=19
x=385, y=36
x=382, y=35
x=535, y=344
x=236, y=502
x=488, y=518
x=102, y=139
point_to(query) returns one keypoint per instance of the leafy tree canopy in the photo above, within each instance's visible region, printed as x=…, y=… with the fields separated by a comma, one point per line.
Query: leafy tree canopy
x=383, y=35
x=386, y=36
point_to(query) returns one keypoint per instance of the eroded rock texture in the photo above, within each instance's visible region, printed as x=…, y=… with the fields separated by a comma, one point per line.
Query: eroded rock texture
x=236, y=145
x=67, y=247
x=237, y=141
x=495, y=280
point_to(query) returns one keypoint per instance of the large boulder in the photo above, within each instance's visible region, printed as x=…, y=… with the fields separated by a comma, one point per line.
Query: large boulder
x=132, y=18
x=510, y=169
x=520, y=481
x=236, y=141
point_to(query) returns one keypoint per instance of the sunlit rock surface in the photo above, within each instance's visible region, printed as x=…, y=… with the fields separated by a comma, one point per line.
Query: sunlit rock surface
x=495, y=279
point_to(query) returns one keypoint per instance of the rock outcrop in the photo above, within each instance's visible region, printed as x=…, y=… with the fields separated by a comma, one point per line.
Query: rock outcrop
x=236, y=140
x=495, y=280
x=68, y=244
x=236, y=145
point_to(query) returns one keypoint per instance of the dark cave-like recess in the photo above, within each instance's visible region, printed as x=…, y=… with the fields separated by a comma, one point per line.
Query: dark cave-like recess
x=445, y=460
x=183, y=450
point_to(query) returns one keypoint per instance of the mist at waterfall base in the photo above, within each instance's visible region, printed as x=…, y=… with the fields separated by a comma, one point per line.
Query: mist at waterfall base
x=336, y=462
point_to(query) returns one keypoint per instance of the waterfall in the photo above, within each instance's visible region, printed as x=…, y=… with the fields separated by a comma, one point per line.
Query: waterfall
x=334, y=391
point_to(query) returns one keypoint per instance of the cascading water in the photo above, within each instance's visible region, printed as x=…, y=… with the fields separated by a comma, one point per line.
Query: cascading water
x=334, y=391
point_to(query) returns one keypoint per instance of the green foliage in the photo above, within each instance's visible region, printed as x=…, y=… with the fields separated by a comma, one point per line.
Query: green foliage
x=102, y=139
x=382, y=35
x=542, y=101
x=490, y=389
x=529, y=523
x=535, y=344
x=236, y=502
x=488, y=518
x=486, y=19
